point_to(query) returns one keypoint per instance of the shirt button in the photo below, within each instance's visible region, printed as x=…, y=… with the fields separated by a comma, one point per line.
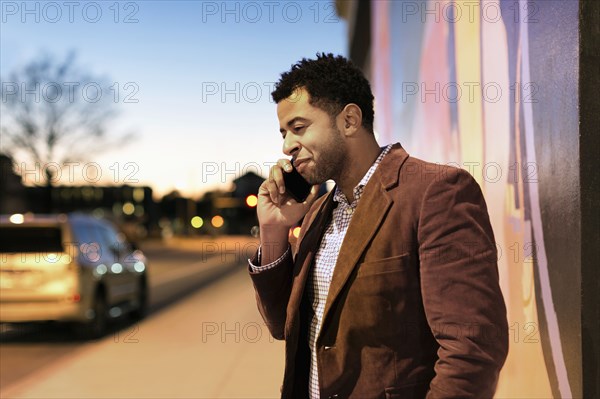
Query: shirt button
x=349, y=211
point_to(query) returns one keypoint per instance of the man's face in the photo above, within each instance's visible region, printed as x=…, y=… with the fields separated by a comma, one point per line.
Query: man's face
x=311, y=138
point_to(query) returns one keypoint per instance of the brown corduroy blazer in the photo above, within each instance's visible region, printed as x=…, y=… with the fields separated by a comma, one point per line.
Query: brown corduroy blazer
x=414, y=309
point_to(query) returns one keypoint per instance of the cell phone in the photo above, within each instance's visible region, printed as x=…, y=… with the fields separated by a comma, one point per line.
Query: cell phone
x=296, y=185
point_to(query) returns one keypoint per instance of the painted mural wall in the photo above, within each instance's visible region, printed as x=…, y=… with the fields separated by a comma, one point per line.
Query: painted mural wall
x=492, y=86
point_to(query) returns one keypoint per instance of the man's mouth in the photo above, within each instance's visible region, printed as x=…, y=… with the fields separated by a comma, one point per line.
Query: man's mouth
x=299, y=163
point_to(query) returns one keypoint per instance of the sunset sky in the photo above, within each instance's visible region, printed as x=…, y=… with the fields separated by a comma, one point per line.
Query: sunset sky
x=203, y=73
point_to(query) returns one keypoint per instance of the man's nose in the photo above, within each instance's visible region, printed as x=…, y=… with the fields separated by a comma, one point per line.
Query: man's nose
x=290, y=145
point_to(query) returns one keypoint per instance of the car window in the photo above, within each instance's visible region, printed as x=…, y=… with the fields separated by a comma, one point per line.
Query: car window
x=84, y=233
x=87, y=240
x=111, y=239
x=19, y=239
x=108, y=238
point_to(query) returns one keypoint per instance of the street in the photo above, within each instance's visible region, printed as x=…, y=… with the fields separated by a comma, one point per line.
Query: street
x=203, y=338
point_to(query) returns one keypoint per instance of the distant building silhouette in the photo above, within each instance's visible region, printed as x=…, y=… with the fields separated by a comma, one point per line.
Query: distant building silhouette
x=134, y=208
x=246, y=185
x=12, y=191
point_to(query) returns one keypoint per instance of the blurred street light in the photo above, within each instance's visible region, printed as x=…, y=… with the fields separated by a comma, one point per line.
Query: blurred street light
x=197, y=222
x=217, y=221
x=251, y=200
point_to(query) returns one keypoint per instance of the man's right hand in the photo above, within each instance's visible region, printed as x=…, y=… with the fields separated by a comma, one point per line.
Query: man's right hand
x=277, y=211
x=275, y=206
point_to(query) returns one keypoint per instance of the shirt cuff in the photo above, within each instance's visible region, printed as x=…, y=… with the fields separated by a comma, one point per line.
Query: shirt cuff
x=260, y=268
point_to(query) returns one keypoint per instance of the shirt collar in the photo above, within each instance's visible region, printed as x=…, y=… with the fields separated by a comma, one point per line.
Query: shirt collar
x=339, y=196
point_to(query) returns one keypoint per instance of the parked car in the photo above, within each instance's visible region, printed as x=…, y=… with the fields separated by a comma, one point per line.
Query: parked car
x=69, y=268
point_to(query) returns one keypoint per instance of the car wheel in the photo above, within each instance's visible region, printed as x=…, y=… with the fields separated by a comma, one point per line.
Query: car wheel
x=96, y=327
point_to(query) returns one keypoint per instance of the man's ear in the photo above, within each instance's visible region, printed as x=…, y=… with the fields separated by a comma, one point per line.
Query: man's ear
x=350, y=119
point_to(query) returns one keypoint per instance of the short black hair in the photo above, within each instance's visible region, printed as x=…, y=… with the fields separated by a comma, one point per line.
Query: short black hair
x=332, y=82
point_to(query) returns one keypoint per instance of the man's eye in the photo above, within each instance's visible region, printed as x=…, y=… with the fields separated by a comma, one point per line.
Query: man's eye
x=298, y=127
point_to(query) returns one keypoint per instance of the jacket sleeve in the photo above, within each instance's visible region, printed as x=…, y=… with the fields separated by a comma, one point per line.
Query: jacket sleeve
x=459, y=284
x=272, y=289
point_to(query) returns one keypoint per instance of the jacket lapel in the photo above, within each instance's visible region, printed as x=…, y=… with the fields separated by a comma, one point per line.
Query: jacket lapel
x=308, y=246
x=369, y=215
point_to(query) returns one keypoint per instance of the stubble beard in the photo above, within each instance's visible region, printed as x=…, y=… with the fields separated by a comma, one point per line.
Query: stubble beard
x=333, y=157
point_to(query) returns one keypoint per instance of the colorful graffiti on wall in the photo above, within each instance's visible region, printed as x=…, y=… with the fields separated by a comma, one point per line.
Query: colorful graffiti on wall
x=474, y=84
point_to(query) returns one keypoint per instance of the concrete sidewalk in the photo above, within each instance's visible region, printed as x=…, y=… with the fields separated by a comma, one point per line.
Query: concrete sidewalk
x=212, y=344
x=168, y=281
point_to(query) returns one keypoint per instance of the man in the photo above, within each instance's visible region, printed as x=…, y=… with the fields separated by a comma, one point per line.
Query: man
x=392, y=288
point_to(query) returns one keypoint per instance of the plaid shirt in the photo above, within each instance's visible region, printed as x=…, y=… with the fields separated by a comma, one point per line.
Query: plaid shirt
x=324, y=264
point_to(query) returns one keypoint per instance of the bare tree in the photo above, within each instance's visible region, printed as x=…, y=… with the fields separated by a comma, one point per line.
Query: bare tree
x=52, y=111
